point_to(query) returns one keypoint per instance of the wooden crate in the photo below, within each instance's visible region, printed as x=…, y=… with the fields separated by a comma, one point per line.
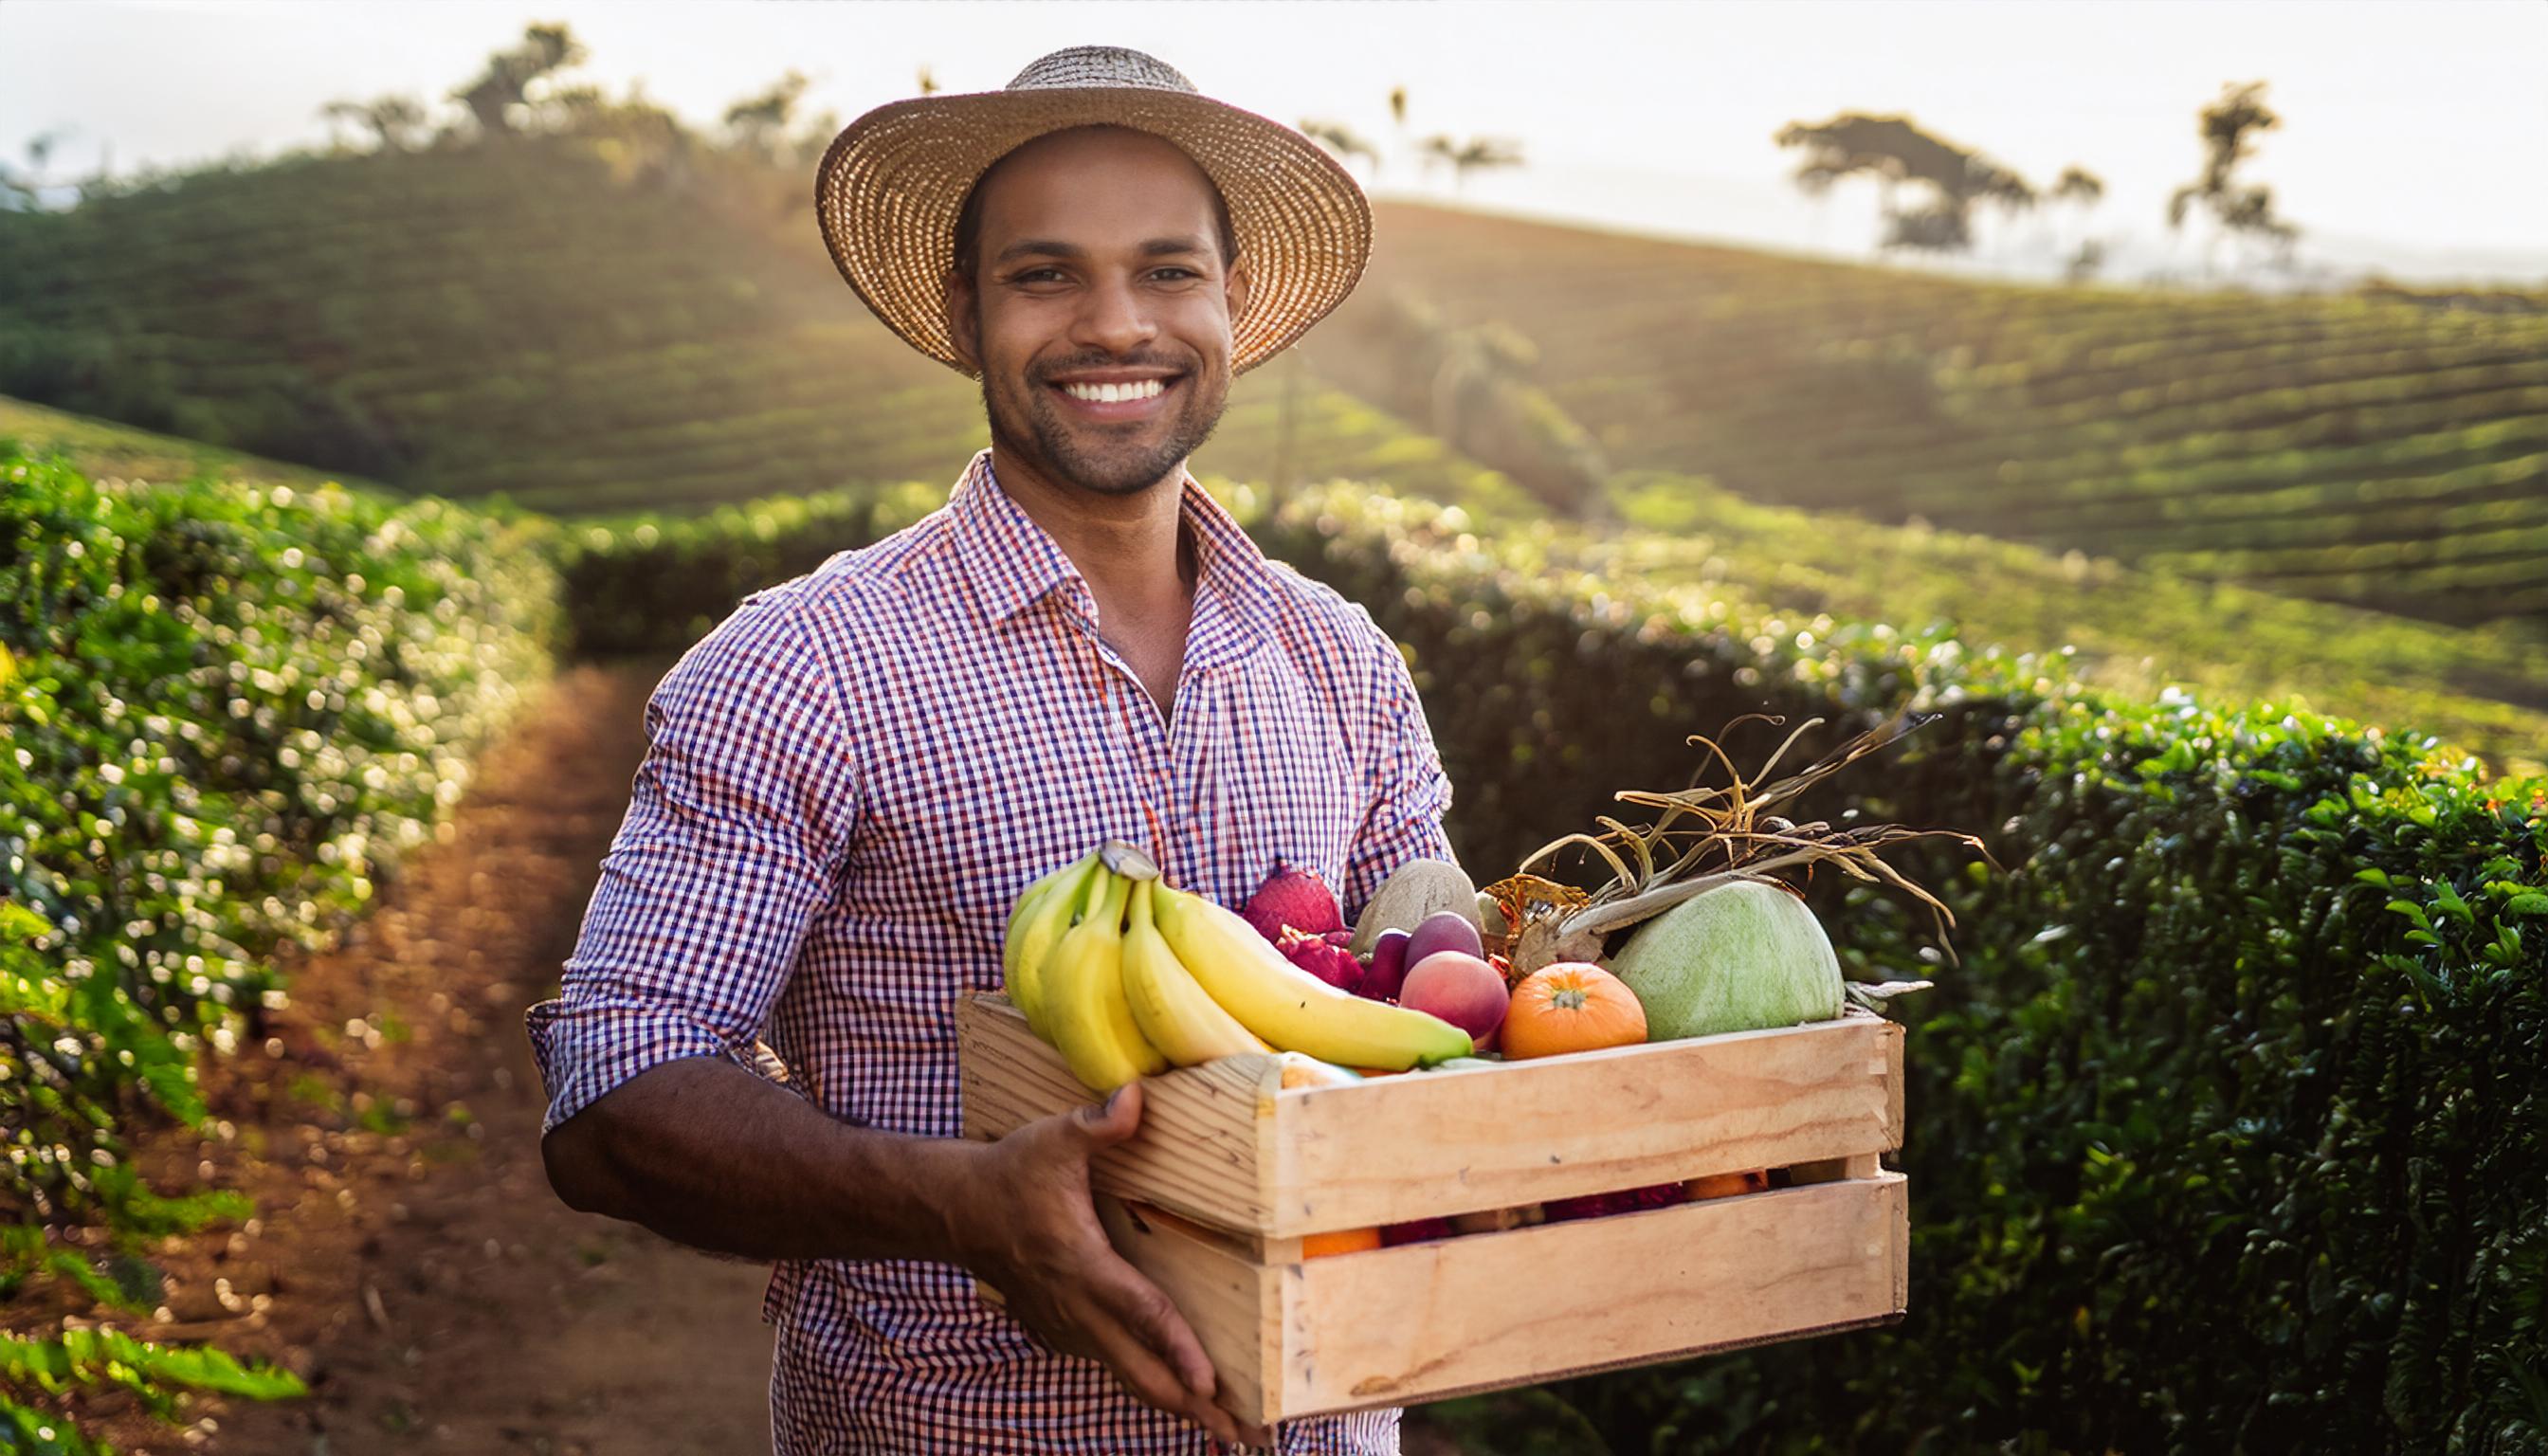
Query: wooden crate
x=1231, y=1169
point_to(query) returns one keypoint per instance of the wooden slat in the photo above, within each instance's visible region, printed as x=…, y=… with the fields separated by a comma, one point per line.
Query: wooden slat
x=1204, y=1129
x=1227, y=1299
x=1434, y=1144
x=1223, y=1144
x=1489, y=1310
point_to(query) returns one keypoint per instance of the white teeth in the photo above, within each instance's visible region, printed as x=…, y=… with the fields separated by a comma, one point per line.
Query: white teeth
x=1109, y=394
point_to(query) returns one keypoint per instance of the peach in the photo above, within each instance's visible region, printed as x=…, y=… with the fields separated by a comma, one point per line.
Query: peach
x=1459, y=988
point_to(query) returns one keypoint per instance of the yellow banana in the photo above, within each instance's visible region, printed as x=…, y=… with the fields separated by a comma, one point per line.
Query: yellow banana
x=1082, y=995
x=1171, y=1008
x=1288, y=1006
x=1042, y=912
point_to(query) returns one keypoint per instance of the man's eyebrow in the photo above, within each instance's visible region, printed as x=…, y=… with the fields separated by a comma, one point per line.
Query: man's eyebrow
x=1049, y=247
x=1040, y=246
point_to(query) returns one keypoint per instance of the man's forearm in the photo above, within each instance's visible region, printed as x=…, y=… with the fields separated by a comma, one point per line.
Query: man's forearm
x=705, y=1154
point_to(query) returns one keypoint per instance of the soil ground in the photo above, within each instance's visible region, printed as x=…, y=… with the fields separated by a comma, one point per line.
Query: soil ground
x=408, y=1259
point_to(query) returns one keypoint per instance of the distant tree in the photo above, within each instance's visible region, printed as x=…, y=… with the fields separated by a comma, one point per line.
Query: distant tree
x=19, y=190
x=1477, y=154
x=2229, y=128
x=928, y=81
x=760, y=124
x=2077, y=184
x=1398, y=106
x=397, y=122
x=2082, y=190
x=1344, y=143
x=505, y=85
x=1927, y=186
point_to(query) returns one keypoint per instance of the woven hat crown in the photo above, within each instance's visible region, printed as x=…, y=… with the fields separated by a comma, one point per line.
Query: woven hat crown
x=1101, y=65
x=891, y=186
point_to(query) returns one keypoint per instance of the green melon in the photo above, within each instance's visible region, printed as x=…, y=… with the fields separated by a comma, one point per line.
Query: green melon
x=1743, y=957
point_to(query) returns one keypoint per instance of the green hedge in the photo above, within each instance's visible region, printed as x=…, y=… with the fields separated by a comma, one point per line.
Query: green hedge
x=2227, y=1131
x=644, y=581
x=225, y=710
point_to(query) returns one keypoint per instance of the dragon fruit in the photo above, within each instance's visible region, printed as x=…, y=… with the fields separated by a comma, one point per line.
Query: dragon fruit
x=1415, y=1230
x=1321, y=956
x=1293, y=899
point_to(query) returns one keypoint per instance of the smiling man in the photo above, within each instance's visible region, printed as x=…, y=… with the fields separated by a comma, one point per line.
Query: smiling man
x=850, y=779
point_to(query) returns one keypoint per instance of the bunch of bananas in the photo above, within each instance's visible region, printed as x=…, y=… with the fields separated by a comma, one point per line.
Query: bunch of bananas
x=1127, y=977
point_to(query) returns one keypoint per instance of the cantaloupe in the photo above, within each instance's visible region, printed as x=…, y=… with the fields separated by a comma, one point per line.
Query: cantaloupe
x=1741, y=956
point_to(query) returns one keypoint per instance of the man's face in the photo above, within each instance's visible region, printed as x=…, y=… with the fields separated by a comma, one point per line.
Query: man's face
x=1099, y=272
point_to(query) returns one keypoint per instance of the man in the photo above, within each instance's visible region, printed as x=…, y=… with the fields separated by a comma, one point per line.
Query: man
x=850, y=779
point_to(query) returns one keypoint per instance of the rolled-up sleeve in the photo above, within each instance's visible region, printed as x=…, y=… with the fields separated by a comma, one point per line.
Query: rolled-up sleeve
x=1408, y=790
x=738, y=826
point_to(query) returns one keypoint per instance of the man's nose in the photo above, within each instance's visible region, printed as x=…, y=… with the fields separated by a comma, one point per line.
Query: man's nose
x=1115, y=318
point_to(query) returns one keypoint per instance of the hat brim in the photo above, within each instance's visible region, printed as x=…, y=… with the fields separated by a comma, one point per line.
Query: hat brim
x=890, y=186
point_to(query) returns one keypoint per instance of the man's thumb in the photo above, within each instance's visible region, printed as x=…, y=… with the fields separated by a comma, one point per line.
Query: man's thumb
x=1116, y=1118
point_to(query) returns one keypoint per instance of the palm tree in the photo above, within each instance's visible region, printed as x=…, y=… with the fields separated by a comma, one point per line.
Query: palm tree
x=1477, y=154
x=1343, y=142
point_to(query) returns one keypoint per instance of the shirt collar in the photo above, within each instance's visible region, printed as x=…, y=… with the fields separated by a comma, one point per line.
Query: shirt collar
x=1014, y=563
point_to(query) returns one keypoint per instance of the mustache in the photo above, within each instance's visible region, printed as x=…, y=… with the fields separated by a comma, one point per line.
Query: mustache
x=1045, y=374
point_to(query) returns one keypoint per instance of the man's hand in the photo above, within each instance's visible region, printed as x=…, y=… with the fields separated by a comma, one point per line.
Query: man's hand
x=1032, y=1233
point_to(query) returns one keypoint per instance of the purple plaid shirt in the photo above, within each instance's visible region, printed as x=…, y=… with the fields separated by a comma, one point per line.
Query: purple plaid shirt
x=846, y=783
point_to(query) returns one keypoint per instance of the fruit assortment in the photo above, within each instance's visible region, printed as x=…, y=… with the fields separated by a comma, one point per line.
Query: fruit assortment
x=1692, y=937
x=1126, y=977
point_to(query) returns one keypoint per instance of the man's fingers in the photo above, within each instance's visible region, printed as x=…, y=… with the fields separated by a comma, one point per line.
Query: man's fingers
x=1154, y=1318
x=1116, y=1118
x=1153, y=1383
x=1165, y=1330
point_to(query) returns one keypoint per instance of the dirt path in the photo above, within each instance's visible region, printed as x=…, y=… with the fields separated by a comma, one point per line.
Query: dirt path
x=409, y=1257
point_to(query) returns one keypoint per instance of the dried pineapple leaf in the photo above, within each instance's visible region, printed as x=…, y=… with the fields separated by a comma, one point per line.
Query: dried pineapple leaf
x=1873, y=995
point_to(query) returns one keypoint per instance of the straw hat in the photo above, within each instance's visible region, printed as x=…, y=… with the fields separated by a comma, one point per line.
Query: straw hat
x=891, y=184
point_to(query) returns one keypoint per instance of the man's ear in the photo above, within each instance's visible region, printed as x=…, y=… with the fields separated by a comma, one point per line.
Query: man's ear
x=963, y=318
x=1234, y=289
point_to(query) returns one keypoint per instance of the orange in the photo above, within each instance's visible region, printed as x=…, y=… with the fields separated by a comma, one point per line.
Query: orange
x=1342, y=1241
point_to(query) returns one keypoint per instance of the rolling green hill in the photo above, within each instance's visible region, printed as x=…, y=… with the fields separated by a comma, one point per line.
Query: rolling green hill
x=540, y=319
x=2377, y=450
x=548, y=321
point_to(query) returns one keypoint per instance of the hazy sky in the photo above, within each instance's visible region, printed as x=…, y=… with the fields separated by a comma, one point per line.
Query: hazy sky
x=2415, y=133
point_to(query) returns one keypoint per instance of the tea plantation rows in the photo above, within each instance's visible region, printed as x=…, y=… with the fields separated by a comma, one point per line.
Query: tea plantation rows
x=2374, y=449
x=528, y=320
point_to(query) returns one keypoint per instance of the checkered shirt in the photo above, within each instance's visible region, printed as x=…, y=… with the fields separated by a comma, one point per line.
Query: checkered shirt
x=846, y=783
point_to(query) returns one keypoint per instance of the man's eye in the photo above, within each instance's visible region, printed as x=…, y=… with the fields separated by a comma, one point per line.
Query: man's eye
x=1175, y=274
x=1038, y=275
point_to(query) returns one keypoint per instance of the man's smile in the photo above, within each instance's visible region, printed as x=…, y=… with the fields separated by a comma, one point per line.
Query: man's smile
x=1114, y=397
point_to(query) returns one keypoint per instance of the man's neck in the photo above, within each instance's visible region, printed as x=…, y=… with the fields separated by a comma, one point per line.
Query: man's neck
x=1130, y=549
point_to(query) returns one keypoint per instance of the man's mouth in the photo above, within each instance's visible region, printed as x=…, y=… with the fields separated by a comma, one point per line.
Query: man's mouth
x=1113, y=400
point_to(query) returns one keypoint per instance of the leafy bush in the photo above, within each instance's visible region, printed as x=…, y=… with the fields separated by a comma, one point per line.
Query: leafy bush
x=225, y=711
x=649, y=582
x=2226, y=1131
